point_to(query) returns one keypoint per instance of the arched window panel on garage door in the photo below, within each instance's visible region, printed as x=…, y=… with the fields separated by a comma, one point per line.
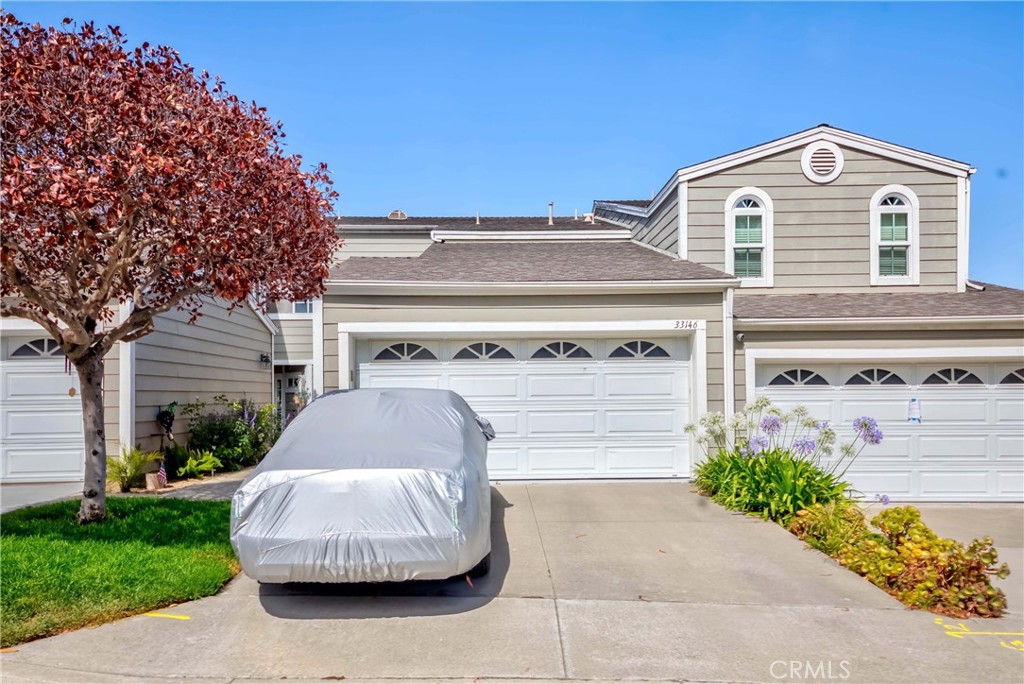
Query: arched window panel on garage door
x=405, y=351
x=875, y=376
x=639, y=349
x=561, y=350
x=1014, y=378
x=952, y=376
x=796, y=377
x=42, y=348
x=483, y=351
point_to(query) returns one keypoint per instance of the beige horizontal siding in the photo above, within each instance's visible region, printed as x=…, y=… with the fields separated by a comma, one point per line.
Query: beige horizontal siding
x=661, y=230
x=382, y=246
x=822, y=232
x=294, y=341
x=542, y=308
x=219, y=354
x=112, y=398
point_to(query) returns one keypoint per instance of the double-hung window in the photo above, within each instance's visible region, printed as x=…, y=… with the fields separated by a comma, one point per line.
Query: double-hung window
x=895, y=236
x=304, y=306
x=748, y=241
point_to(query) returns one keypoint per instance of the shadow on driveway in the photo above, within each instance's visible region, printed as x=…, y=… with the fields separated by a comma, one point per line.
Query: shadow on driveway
x=312, y=601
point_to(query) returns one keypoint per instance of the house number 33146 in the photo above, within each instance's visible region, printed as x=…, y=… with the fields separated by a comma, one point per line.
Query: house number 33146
x=686, y=325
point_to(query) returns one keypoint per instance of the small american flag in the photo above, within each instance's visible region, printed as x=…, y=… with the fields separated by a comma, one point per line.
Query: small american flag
x=161, y=475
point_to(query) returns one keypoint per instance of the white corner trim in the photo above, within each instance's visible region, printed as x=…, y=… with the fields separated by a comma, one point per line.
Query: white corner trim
x=530, y=235
x=126, y=384
x=805, y=162
x=728, y=353
x=318, y=346
x=683, y=230
x=963, y=233
x=768, y=227
x=752, y=356
x=913, y=276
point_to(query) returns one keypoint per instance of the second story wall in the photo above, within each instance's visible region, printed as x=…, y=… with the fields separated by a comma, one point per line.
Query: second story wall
x=822, y=232
x=381, y=245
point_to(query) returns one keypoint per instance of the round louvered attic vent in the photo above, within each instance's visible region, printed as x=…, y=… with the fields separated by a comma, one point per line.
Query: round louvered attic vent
x=822, y=162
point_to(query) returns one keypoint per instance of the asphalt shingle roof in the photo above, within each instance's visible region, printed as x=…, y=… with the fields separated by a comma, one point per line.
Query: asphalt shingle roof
x=527, y=262
x=994, y=300
x=500, y=223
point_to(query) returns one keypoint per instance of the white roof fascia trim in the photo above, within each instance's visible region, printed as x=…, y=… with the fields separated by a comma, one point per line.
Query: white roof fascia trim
x=385, y=226
x=262, y=316
x=531, y=235
x=582, y=287
x=910, y=322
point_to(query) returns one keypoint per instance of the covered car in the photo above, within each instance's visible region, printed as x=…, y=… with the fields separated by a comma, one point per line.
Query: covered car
x=369, y=485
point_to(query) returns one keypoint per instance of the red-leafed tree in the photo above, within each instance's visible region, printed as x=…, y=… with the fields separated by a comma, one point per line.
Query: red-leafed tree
x=130, y=178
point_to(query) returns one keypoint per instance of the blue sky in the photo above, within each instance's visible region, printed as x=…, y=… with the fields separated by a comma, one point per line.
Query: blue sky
x=501, y=108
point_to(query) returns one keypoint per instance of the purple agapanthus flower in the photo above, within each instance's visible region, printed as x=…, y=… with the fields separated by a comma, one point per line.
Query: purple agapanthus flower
x=864, y=424
x=757, y=444
x=884, y=498
x=821, y=425
x=872, y=436
x=744, y=452
x=804, y=446
x=771, y=425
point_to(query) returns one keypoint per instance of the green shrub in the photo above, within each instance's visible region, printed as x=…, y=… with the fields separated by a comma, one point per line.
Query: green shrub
x=199, y=463
x=775, y=484
x=175, y=457
x=128, y=469
x=907, y=559
x=238, y=433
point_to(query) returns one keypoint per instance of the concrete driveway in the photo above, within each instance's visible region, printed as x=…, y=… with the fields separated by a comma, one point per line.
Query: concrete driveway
x=590, y=582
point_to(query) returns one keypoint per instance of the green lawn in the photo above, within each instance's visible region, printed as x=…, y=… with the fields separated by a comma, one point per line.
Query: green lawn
x=57, y=575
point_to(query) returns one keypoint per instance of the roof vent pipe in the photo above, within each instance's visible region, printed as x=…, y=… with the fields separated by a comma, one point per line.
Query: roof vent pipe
x=575, y=214
x=551, y=213
x=478, y=218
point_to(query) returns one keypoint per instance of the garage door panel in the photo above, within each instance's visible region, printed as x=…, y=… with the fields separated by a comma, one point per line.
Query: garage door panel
x=894, y=482
x=882, y=410
x=564, y=460
x=39, y=386
x=505, y=423
x=1011, y=484
x=643, y=422
x=647, y=385
x=561, y=423
x=953, y=447
x=892, y=447
x=639, y=459
x=562, y=386
x=502, y=460
x=1010, y=448
x=473, y=386
x=35, y=425
x=955, y=484
x=950, y=409
x=1010, y=410
x=50, y=464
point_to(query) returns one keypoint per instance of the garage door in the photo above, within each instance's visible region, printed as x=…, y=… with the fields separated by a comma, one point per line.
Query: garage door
x=567, y=408
x=968, y=446
x=41, y=422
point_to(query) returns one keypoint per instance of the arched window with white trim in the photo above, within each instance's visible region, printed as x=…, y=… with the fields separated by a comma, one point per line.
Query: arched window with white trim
x=749, y=226
x=895, y=236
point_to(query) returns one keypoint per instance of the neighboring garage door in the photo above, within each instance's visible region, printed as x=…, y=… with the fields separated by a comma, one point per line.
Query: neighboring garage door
x=567, y=408
x=41, y=422
x=969, y=445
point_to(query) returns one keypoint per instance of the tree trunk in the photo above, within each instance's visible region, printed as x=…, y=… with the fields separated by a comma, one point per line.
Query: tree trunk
x=94, y=493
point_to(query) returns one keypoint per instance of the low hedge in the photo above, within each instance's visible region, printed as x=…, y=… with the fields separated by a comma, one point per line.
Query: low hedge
x=907, y=559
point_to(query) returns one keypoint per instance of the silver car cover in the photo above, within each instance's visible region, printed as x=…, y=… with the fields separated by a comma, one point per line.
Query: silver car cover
x=369, y=485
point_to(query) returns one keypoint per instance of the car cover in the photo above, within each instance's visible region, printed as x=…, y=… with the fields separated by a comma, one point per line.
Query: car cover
x=369, y=485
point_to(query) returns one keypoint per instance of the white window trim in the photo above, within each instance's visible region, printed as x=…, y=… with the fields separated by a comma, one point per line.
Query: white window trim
x=767, y=278
x=913, y=276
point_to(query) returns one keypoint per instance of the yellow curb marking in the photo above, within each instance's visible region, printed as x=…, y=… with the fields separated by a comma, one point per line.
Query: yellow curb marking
x=960, y=630
x=168, y=615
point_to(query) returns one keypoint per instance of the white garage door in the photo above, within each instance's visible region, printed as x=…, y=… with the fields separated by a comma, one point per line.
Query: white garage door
x=41, y=422
x=568, y=408
x=969, y=445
